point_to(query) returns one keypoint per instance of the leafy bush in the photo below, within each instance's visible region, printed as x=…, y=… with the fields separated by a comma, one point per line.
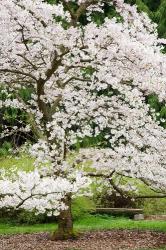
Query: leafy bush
x=30, y=218
x=21, y=216
x=5, y=148
x=81, y=207
x=154, y=206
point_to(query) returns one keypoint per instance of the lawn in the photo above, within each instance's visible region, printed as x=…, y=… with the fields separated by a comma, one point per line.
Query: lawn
x=87, y=224
x=21, y=162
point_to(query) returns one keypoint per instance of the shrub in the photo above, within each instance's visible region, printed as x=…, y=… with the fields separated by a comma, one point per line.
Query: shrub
x=23, y=217
x=82, y=206
x=153, y=206
x=5, y=148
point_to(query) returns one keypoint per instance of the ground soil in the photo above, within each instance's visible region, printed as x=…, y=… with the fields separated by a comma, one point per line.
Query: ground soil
x=99, y=240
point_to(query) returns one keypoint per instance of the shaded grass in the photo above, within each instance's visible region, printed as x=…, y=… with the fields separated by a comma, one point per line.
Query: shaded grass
x=87, y=224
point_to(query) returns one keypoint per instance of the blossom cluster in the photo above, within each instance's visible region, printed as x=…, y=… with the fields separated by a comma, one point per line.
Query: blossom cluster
x=43, y=194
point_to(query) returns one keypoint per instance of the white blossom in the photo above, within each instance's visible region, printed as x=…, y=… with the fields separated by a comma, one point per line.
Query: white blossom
x=68, y=104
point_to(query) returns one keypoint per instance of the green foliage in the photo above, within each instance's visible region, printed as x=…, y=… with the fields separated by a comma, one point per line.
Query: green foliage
x=30, y=218
x=25, y=93
x=154, y=206
x=51, y=1
x=19, y=217
x=14, y=117
x=96, y=16
x=143, y=7
x=156, y=9
x=108, y=11
x=163, y=112
x=154, y=102
x=11, y=116
x=95, y=141
x=160, y=109
x=160, y=18
x=152, y=4
x=81, y=207
x=5, y=148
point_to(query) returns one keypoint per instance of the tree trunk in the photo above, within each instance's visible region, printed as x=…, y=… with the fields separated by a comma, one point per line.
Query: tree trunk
x=65, y=223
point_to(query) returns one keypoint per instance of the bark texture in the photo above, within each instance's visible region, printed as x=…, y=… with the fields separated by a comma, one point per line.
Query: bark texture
x=65, y=223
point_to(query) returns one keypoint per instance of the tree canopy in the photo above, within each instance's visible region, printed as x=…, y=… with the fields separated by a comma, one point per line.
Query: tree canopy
x=87, y=77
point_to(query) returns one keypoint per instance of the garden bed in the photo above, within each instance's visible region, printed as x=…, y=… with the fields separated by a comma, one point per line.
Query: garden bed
x=97, y=240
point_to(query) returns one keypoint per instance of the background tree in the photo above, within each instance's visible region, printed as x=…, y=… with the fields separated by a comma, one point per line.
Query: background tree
x=86, y=79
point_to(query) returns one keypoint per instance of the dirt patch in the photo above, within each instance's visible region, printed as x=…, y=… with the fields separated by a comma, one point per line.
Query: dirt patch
x=99, y=240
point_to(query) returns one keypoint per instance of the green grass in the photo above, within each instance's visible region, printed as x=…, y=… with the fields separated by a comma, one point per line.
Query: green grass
x=23, y=162
x=107, y=222
x=87, y=224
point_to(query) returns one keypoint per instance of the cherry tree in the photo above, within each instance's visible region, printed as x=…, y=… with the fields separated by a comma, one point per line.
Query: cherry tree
x=85, y=80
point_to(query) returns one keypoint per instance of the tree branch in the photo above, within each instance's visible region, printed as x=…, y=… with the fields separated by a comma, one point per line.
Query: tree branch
x=13, y=71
